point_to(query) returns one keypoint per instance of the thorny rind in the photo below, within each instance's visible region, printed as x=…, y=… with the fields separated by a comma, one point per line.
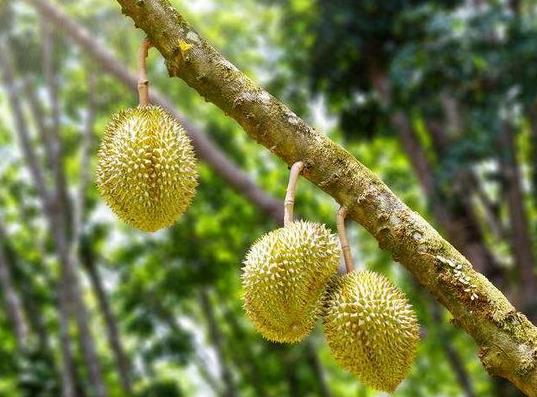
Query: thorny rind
x=507, y=340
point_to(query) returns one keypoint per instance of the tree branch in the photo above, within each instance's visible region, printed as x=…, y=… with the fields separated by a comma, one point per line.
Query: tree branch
x=507, y=340
x=52, y=138
x=112, y=330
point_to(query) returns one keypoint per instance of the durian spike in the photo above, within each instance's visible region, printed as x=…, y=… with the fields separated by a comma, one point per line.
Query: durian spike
x=289, y=202
x=342, y=232
x=143, y=82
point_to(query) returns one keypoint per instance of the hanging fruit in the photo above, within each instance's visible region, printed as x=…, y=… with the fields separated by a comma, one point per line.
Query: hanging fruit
x=286, y=272
x=147, y=170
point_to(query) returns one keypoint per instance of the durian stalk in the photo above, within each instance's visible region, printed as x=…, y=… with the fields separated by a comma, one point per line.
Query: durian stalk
x=143, y=82
x=342, y=232
x=147, y=171
x=286, y=272
x=289, y=202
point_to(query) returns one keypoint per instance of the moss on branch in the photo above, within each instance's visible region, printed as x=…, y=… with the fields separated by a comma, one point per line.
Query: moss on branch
x=507, y=340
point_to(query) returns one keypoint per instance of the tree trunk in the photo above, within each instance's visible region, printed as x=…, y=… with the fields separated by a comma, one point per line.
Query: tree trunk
x=54, y=209
x=532, y=116
x=521, y=245
x=74, y=294
x=67, y=370
x=464, y=229
x=246, y=359
x=112, y=331
x=61, y=216
x=217, y=341
x=52, y=140
x=68, y=366
x=12, y=301
x=507, y=340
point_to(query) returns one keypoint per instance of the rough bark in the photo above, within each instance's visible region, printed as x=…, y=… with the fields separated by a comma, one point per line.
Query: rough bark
x=205, y=148
x=506, y=339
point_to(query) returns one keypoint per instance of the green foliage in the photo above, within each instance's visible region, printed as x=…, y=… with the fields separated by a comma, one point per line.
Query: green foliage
x=320, y=57
x=37, y=375
x=161, y=388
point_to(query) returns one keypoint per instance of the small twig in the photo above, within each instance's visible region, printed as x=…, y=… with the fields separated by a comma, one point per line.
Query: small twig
x=289, y=202
x=345, y=247
x=143, y=83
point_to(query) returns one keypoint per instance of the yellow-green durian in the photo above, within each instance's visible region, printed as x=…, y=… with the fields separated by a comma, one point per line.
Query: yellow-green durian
x=284, y=277
x=146, y=169
x=371, y=329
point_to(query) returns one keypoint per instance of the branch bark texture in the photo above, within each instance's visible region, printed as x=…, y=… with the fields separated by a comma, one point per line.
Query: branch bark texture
x=506, y=339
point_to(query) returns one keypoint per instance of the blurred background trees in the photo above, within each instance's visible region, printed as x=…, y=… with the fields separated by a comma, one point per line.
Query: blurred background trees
x=437, y=97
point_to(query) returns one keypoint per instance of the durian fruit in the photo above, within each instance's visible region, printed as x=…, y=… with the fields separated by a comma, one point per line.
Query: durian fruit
x=284, y=277
x=371, y=329
x=146, y=169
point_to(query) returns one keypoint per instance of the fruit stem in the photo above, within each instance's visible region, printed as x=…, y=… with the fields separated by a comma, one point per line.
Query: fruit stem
x=143, y=83
x=345, y=247
x=289, y=202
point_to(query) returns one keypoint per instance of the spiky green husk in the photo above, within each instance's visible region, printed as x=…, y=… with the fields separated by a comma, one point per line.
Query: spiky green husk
x=284, y=277
x=371, y=329
x=146, y=169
